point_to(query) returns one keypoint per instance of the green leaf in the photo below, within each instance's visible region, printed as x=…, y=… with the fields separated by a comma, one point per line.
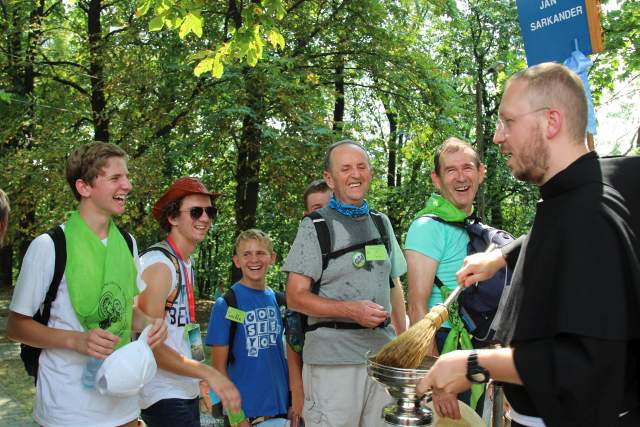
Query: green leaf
x=143, y=7
x=276, y=39
x=5, y=97
x=217, y=70
x=173, y=22
x=156, y=23
x=191, y=24
x=203, y=66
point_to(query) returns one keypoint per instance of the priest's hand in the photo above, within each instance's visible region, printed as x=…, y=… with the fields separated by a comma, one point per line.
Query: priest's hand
x=448, y=374
x=479, y=267
x=446, y=404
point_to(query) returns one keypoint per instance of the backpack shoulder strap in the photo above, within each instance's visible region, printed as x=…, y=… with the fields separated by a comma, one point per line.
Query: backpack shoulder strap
x=162, y=247
x=230, y=298
x=281, y=298
x=376, y=217
x=127, y=238
x=436, y=279
x=60, y=247
x=324, y=238
x=487, y=235
x=460, y=224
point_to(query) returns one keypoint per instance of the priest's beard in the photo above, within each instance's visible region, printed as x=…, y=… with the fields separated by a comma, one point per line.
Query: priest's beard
x=534, y=159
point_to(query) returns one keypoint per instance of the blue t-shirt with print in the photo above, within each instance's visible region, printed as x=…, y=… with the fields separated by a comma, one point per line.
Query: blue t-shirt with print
x=259, y=370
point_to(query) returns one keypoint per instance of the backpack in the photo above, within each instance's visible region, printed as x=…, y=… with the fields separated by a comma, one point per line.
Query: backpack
x=166, y=250
x=478, y=304
x=30, y=355
x=296, y=324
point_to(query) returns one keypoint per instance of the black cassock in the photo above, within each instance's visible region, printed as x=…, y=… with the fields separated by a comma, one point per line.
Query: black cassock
x=576, y=335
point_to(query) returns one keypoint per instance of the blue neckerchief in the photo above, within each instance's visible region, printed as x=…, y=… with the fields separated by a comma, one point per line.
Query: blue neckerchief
x=348, y=210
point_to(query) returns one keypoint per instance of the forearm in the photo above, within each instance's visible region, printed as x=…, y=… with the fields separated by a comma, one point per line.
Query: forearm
x=219, y=358
x=294, y=365
x=24, y=329
x=140, y=320
x=398, y=310
x=314, y=305
x=176, y=363
x=417, y=311
x=420, y=274
x=500, y=364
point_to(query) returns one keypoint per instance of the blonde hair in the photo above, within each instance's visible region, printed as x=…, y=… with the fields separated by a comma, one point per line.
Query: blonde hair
x=550, y=85
x=254, y=234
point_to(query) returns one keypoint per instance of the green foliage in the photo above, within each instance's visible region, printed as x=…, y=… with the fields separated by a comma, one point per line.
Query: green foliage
x=418, y=62
x=242, y=42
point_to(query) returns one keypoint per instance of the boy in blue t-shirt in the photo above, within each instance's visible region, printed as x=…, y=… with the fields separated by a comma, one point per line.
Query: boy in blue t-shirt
x=259, y=367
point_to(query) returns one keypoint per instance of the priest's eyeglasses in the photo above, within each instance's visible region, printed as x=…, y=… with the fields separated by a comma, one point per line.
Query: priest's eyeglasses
x=503, y=125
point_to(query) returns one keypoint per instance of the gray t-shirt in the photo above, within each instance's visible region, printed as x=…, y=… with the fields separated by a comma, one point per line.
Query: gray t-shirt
x=343, y=281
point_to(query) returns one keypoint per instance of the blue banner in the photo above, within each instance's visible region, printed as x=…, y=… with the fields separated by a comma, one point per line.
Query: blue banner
x=551, y=28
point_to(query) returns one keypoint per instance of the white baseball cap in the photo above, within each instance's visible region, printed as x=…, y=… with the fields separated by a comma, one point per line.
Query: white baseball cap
x=128, y=369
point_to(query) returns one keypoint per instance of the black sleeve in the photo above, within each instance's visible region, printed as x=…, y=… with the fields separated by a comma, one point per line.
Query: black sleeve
x=511, y=251
x=574, y=380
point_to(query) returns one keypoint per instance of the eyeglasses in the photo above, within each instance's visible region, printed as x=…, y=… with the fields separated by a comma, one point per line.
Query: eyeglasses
x=503, y=125
x=196, y=212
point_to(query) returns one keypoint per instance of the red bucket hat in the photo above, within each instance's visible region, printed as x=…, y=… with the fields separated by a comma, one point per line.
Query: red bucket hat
x=184, y=186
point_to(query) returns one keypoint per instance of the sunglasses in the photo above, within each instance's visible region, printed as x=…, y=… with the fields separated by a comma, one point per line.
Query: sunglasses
x=196, y=212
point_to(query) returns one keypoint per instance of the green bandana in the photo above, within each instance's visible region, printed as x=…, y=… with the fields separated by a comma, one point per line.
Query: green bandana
x=101, y=279
x=442, y=208
x=459, y=338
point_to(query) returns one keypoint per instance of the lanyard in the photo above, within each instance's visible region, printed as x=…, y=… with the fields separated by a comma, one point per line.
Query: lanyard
x=187, y=278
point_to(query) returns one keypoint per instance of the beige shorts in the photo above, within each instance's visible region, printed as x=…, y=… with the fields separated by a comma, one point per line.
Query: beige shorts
x=342, y=396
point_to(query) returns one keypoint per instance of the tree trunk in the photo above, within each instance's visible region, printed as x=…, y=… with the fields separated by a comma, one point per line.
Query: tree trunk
x=96, y=70
x=415, y=170
x=480, y=140
x=248, y=162
x=23, y=79
x=497, y=219
x=391, y=164
x=6, y=263
x=401, y=137
x=338, y=107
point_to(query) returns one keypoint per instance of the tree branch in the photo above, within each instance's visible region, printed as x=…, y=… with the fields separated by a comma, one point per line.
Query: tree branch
x=65, y=82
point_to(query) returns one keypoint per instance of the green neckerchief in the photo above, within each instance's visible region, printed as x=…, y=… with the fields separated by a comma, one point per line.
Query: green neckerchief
x=101, y=279
x=442, y=208
x=459, y=338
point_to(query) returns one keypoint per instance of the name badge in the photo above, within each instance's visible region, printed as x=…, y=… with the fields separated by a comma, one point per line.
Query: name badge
x=375, y=252
x=193, y=335
x=235, y=315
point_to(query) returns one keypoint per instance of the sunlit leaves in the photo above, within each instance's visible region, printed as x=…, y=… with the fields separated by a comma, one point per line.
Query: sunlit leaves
x=246, y=43
x=275, y=38
x=192, y=23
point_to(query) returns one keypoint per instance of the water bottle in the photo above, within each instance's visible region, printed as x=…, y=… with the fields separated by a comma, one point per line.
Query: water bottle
x=89, y=372
x=216, y=405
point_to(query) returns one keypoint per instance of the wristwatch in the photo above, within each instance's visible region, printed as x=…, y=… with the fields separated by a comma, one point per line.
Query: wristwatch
x=476, y=373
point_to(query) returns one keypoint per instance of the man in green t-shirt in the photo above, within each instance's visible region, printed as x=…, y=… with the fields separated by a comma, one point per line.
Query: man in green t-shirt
x=433, y=248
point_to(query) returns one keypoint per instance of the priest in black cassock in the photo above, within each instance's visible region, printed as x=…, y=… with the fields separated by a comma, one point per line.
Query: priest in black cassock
x=571, y=322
